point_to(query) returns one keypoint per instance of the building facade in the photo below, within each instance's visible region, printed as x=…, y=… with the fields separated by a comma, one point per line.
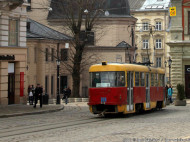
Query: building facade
x=43, y=44
x=13, y=52
x=152, y=33
x=180, y=45
x=113, y=41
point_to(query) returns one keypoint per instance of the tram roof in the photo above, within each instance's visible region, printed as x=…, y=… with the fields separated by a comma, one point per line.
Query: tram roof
x=124, y=67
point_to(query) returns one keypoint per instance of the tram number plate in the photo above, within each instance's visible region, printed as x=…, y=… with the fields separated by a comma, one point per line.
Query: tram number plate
x=103, y=100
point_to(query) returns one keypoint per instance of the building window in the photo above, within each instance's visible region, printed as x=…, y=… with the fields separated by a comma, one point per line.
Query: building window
x=158, y=62
x=145, y=44
x=52, y=85
x=64, y=54
x=158, y=26
x=87, y=36
x=13, y=32
x=52, y=54
x=145, y=59
x=29, y=7
x=158, y=43
x=35, y=54
x=46, y=54
x=145, y=26
x=46, y=84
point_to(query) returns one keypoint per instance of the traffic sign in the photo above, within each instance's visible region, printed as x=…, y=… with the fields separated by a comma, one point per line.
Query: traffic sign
x=172, y=11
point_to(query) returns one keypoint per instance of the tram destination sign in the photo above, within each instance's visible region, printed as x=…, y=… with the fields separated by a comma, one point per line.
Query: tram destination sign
x=7, y=57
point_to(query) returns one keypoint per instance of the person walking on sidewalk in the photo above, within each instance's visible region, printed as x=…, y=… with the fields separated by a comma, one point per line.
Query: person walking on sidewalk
x=30, y=94
x=170, y=92
x=38, y=95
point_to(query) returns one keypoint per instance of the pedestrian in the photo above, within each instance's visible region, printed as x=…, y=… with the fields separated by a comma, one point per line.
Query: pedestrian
x=38, y=95
x=30, y=94
x=65, y=95
x=170, y=92
x=166, y=92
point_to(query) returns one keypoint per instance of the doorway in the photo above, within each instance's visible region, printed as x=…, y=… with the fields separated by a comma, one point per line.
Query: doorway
x=147, y=90
x=187, y=81
x=63, y=83
x=130, y=91
x=11, y=88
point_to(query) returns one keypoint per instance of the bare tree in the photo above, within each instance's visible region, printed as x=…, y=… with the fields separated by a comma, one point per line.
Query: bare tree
x=78, y=18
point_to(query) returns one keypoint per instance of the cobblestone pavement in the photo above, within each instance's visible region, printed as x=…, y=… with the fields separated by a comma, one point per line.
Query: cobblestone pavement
x=76, y=124
x=19, y=110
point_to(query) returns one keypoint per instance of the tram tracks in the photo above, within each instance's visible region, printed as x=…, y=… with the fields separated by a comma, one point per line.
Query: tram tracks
x=47, y=126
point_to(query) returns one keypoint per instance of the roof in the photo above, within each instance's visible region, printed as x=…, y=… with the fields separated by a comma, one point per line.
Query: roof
x=37, y=30
x=136, y=4
x=150, y=5
x=124, y=67
x=116, y=8
x=124, y=44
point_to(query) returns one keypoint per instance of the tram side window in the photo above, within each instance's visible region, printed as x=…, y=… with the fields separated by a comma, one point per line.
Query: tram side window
x=137, y=79
x=107, y=79
x=120, y=79
x=156, y=79
x=152, y=79
x=95, y=79
x=142, y=79
x=161, y=80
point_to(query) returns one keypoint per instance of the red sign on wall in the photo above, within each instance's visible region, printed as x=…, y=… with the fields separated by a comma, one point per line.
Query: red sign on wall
x=21, y=84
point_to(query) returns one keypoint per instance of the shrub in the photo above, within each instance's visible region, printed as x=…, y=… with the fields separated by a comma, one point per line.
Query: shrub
x=180, y=92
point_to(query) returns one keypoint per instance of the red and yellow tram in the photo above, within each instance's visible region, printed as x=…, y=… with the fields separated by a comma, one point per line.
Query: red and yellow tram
x=125, y=88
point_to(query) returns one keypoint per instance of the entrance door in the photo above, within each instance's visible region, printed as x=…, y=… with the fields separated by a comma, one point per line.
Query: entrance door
x=63, y=83
x=11, y=88
x=187, y=81
x=147, y=91
x=130, y=91
x=187, y=85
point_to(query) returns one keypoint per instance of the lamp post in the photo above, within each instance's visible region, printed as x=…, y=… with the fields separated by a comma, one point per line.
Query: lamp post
x=165, y=71
x=58, y=64
x=58, y=95
x=169, y=64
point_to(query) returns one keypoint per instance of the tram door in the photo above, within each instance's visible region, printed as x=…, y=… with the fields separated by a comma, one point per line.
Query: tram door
x=147, y=91
x=130, y=91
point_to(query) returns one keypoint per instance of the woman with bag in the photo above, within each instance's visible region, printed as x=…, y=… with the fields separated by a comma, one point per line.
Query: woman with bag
x=30, y=93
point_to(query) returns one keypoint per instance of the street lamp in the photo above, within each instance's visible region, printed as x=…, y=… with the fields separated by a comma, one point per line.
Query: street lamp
x=165, y=71
x=169, y=63
x=58, y=95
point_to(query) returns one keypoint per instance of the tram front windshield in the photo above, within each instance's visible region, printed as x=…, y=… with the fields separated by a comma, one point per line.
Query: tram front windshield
x=107, y=79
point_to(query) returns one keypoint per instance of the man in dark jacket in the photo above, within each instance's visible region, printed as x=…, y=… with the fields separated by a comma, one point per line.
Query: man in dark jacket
x=38, y=95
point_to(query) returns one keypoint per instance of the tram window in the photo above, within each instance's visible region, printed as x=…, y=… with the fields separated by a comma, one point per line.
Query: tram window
x=152, y=79
x=107, y=79
x=95, y=79
x=142, y=79
x=137, y=79
x=156, y=79
x=161, y=80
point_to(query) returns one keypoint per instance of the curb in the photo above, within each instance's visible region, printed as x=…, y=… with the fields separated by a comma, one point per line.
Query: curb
x=31, y=113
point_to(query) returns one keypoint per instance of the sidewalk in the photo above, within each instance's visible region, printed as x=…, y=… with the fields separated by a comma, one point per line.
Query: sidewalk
x=19, y=110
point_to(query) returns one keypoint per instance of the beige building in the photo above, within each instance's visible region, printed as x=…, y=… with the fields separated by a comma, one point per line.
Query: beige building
x=151, y=33
x=13, y=52
x=180, y=45
x=113, y=42
x=43, y=44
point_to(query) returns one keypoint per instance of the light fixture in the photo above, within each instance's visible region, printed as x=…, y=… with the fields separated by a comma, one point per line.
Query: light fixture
x=58, y=62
